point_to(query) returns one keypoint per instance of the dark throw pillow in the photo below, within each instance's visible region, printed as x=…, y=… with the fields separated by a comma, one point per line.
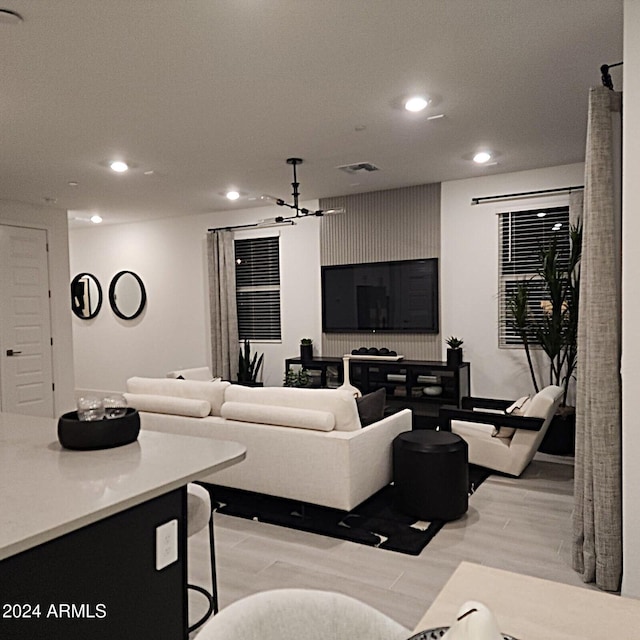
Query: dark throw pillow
x=371, y=407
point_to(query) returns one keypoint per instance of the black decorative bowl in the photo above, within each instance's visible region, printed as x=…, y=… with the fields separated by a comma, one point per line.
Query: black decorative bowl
x=98, y=434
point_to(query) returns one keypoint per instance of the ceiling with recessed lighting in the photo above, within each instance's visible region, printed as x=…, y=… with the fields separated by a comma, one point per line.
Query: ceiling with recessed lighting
x=204, y=97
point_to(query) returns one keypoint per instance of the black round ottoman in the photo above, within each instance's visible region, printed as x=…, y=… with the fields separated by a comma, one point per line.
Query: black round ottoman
x=431, y=474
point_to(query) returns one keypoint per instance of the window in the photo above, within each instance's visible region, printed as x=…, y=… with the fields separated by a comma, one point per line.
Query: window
x=522, y=235
x=258, y=288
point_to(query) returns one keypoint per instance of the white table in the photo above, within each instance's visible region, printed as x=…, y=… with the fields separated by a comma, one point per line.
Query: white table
x=535, y=609
x=79, y=527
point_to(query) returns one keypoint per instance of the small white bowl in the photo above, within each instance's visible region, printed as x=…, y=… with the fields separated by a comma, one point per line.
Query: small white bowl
x=432, y=391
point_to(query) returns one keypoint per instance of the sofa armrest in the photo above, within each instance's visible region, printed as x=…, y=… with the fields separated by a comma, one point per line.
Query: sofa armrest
x=447, y=414
x=399, y=421
x=369, y=457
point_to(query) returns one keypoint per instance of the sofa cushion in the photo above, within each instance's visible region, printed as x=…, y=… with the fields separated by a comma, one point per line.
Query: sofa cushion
x=518, y=407
x=341, y=404
x=371, y=407
x=540, y=405
x=477, y=427
x=282, y=416
x=168, y=404
x=212, y=392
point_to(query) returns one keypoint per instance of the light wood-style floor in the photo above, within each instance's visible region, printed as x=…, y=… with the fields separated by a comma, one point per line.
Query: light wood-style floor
x=521, y=525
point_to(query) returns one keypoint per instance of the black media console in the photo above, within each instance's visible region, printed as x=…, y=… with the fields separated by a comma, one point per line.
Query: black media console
x=420, y=385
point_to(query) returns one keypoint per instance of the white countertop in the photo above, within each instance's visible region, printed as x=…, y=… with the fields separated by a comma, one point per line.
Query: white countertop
x=47, y=491
x=534, y=609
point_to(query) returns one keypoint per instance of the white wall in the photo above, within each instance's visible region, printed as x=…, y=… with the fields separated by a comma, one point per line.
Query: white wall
x=170, y=256
x=173, y=331
x=54, y=222
x=631, y=301
x=469, y=272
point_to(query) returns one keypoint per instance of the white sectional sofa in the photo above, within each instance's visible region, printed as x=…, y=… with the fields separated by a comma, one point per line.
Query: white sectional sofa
x=302, y=444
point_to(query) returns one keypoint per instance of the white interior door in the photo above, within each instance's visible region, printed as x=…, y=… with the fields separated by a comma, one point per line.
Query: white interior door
x=26, y=377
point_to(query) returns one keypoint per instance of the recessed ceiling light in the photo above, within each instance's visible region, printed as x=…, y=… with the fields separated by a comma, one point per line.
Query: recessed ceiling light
x=118, y=166
x=150, y=172
x=417, y=103
x=232, y=195
x=96, y=219
x=481, y=157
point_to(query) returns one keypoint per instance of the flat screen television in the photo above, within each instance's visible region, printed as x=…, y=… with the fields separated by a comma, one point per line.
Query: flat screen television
x=399, y=296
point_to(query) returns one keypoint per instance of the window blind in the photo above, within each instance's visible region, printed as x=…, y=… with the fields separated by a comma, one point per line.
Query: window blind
x=258, y=288
x=522, y=235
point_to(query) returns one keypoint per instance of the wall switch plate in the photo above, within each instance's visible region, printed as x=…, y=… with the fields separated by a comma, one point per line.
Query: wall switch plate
x=166, y=544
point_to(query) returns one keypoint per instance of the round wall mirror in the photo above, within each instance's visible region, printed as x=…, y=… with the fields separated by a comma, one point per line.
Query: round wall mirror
x=86, y=296
x=127, y=295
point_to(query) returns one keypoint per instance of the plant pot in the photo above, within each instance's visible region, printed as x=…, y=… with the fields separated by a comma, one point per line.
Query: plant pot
x=454, y=357
x=306, y=352
x=560, y=439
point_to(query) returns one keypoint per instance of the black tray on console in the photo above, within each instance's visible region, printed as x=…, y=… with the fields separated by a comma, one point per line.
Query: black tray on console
x=99, y=434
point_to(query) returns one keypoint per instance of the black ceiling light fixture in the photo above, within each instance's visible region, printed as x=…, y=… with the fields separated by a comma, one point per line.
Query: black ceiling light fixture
x=606, y=76
x=300, y=212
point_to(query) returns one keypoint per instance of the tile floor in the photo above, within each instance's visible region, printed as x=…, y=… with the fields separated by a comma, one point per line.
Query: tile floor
x=518, y=524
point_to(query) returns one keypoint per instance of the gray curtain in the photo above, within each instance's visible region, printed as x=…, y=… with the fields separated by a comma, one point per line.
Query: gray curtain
x=222, y=302
x=576, y=206
x=597, y=520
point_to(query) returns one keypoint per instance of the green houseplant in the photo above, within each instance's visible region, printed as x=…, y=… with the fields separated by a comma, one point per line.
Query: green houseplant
x=299, y=378
x=554, y=327
x=248, y=365
x=454, y=351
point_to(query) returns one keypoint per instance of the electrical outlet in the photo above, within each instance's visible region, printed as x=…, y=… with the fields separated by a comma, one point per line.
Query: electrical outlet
x=166, y=544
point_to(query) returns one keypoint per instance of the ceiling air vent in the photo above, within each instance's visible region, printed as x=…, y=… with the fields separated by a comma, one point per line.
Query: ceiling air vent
x=359, y=167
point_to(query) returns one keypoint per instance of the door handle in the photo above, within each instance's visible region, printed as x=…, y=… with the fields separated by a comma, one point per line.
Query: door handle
x=11, y=352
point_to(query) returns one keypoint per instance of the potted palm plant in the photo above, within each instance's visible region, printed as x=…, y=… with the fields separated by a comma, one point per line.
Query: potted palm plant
x=553, y=328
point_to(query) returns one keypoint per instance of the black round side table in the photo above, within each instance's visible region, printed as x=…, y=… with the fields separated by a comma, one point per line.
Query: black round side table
x=431, y=474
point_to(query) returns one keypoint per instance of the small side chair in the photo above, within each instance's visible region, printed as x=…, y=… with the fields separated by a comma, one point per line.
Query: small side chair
x=498, y=438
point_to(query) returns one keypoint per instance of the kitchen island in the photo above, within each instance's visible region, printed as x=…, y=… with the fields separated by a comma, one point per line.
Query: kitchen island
x=78, y=550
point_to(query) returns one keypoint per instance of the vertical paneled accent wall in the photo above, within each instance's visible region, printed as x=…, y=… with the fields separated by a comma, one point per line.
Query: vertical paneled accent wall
x=396, y=224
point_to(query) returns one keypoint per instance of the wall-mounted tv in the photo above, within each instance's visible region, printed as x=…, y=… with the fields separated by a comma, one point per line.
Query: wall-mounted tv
x=399, y=296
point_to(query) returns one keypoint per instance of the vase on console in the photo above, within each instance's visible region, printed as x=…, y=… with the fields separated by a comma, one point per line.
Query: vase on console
x=346, y=385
